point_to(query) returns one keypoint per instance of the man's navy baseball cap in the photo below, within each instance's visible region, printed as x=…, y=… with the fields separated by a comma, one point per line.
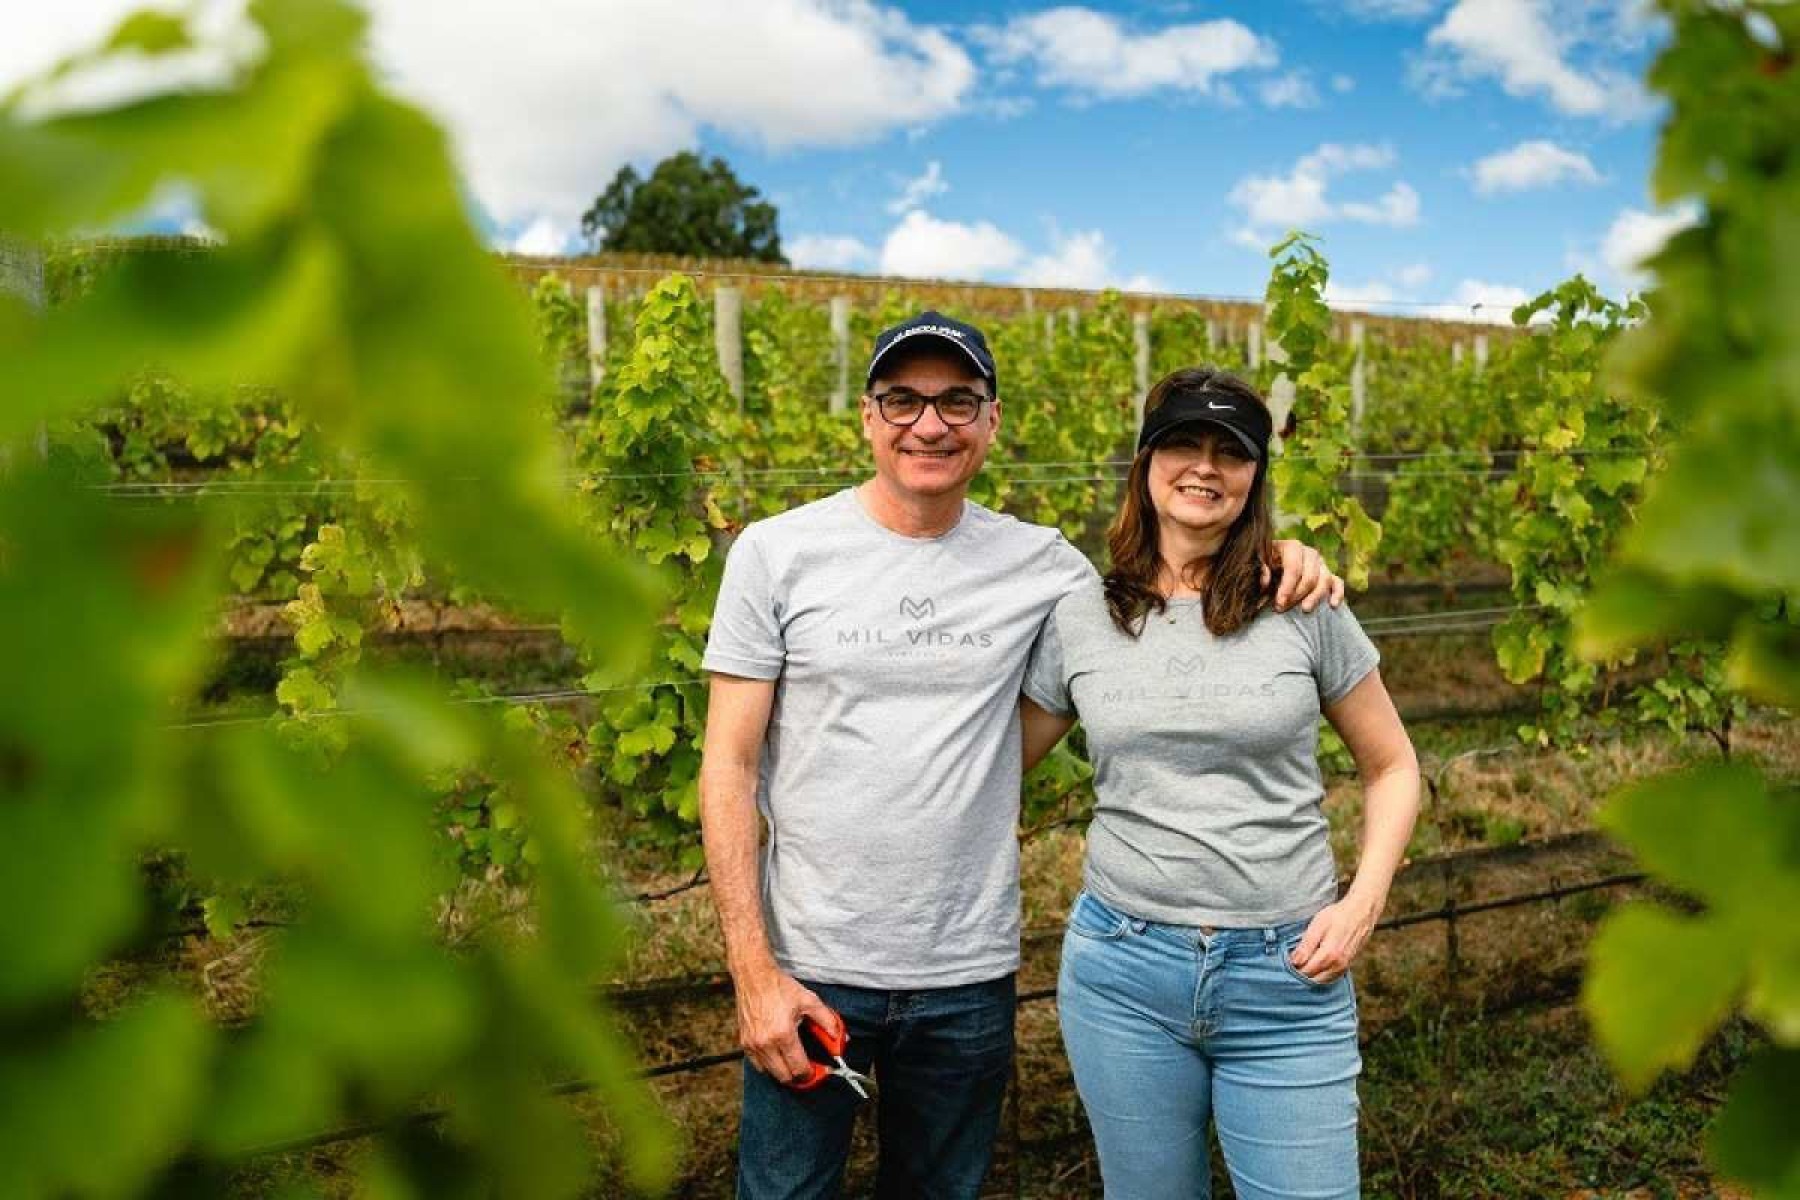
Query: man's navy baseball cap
x=939, y=328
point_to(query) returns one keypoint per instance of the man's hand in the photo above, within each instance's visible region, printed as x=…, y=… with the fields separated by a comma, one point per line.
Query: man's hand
x=1304, y=576
x=1334, y=938
x=770, y=1006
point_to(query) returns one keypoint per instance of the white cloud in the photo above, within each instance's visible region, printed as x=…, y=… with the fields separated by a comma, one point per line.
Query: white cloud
x=1414, y=275
x=1398, y=206
x=1081, y=260
x=1078, y=261
x=1532, y=164
x=923, y=247
x=1375, y=295
x=543, y=237
x=567, y=91
x=1092, y=54
x=1004, y=108
x=1342, y=84
x=583, y=88
x=1471, y=300
x=38, y=36
x=1356, y=156
x=920, y=189
x=1254, y=240
x=1389, y=10
x=1292, y=90
x=1479, y=300
x=1278, y=202
x=1635, y=236
x=827, y=252
x=1516, y=42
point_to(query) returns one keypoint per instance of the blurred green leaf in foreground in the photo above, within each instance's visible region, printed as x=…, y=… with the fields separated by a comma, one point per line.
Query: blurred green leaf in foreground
x=348, y=277
x=1715, y=553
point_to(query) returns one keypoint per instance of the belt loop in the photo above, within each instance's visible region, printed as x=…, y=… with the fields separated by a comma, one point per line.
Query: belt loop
x=1269, y=940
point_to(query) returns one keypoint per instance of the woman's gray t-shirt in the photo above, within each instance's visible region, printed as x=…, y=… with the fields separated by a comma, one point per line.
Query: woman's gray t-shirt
x=1205, y=754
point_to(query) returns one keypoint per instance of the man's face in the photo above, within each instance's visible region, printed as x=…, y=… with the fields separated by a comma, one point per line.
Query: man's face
x=929, y=458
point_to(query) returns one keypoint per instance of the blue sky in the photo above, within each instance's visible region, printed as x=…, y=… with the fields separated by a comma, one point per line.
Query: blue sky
x=1446, y=150
x=1171, y=186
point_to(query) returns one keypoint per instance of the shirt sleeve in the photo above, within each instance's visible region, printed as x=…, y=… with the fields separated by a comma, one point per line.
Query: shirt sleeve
x=746, y=637
x=1345, y=653
x=1069, y=567
x=1046, y=676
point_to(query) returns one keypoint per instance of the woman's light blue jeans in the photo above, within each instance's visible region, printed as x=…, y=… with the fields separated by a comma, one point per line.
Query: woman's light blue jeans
x=1168, y=1026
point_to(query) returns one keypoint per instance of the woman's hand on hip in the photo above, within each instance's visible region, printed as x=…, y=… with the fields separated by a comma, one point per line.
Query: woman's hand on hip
x=1334, y=937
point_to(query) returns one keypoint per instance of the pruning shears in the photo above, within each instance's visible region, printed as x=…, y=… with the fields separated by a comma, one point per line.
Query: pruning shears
x=815, y=1037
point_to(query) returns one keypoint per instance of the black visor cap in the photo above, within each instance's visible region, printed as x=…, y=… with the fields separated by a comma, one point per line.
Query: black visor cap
x=1246, y=418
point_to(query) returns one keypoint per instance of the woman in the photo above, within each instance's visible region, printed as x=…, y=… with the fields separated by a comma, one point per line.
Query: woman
x=1205, y=969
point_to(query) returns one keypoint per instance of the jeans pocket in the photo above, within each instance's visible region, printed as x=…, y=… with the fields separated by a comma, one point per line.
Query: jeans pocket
x=1092, y=919
x=1293, y=972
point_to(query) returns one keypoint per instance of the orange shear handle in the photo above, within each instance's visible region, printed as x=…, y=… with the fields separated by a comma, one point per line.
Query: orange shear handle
x=818, y=1072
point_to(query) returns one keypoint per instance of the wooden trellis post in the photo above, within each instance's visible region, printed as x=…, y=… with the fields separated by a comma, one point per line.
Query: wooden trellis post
x=728, y=338
x=1140, y=338
x=596, y=333
x=840, y=353
x=22, y=274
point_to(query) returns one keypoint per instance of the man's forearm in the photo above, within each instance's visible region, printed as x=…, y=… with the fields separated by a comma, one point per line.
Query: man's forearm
x=729, y=833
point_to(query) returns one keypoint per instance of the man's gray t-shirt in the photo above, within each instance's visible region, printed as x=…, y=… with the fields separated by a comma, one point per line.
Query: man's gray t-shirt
x=890, y=771
x=1205, y=754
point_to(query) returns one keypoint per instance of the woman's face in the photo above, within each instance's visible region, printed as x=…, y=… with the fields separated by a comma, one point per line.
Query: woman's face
x=1200, y=479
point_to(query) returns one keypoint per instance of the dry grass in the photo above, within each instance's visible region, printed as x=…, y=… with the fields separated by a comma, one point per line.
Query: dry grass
x=1500, y=791
x=1415, y=974
x=1489, y=790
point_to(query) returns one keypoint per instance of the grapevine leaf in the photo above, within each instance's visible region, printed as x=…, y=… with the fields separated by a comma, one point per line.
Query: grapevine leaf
x=1707, y=831
x=1631, y=608
x=1647, y=1016
x=1753, y=1136
x=1764, y=661
x=98, y=1110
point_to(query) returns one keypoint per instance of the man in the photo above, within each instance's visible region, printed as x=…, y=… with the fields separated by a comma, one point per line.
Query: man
x=866, y=656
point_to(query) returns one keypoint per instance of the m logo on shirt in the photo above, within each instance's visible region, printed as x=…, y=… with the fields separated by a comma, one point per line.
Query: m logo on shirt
x=918, y=610
x=1177, y=665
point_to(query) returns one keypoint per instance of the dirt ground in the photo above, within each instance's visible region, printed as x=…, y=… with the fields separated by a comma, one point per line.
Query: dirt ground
x=1452, y=1012
x=1490, y=993
x=1480, y=1077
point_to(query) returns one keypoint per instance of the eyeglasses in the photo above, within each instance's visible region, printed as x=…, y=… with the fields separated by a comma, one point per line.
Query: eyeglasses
x=904, y=407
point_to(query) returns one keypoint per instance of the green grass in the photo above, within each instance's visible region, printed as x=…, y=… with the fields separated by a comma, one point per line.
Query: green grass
x=1523, y=1106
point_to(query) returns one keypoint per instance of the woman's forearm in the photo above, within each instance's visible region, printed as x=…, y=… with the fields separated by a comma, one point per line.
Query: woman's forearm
x=1390, y=809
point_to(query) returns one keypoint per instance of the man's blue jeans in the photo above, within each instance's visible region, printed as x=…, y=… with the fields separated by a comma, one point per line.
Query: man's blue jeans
x=1168, y=1026
x=941, y=1057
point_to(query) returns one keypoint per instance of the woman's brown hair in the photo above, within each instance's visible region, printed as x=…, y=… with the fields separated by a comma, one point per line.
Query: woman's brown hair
x=1230, y=582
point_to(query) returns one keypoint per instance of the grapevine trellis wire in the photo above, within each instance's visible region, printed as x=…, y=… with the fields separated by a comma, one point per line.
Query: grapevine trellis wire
x=798, y=476
x=1448, y=913
x=1449, y=621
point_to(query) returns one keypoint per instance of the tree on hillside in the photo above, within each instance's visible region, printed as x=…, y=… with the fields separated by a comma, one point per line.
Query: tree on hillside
x=689, y=206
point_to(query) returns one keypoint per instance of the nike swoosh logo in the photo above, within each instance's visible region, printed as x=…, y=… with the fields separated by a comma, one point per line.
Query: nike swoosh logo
x=1210, y=404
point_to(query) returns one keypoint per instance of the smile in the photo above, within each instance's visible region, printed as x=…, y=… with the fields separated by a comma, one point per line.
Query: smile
x=1205, y=493
x=931, y=453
